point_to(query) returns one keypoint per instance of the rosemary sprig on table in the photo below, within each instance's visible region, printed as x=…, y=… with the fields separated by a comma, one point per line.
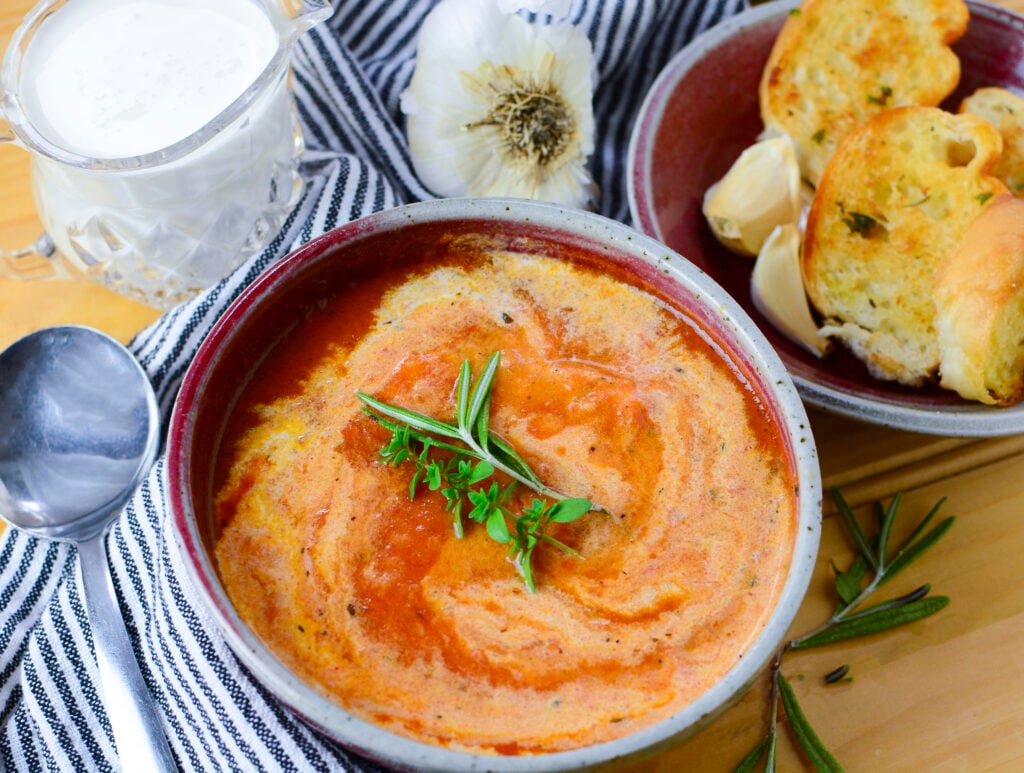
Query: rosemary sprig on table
x=850, y=620
x=471, y=455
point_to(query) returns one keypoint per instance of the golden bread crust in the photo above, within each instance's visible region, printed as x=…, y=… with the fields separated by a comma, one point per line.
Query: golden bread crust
x=1004, y=110
x=894, y=200
x=979, y=301
x=837, y=63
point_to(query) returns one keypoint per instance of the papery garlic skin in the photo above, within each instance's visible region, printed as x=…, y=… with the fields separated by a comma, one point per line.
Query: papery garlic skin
x=760, y=191
x=501, y=107
x=777, y=290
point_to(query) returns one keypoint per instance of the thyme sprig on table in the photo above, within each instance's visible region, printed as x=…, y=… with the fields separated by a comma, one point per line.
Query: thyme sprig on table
x=471, y=455
x=849, y=620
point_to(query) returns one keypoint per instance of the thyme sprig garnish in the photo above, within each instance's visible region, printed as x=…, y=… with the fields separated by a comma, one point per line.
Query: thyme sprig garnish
x=472, y=455
x=873, y=566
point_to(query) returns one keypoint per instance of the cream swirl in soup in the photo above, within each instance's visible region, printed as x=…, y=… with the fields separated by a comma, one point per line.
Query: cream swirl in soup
x=610, y=392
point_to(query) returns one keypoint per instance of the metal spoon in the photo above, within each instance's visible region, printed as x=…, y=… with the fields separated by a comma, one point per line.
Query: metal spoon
x=79, y=428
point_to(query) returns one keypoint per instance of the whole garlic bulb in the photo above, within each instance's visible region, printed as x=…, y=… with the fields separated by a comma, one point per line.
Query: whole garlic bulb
x=499, y=106
x=760, y=191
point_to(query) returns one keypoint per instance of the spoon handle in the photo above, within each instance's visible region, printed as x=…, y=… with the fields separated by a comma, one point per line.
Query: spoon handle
x=141, y=743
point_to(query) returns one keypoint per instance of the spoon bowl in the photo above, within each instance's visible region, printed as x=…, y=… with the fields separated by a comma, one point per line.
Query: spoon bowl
x=81, y=429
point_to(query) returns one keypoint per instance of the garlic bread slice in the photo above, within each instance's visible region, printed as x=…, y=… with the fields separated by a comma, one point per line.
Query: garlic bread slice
x=979, y=301
x=894, y=200
x=836, y=63
x=1004, y=110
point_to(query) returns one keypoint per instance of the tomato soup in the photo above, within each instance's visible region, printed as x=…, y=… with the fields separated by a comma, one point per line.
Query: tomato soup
x=610, y=391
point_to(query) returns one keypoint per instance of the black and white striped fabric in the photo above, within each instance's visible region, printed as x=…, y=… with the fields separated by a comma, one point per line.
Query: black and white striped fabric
x=349, y=73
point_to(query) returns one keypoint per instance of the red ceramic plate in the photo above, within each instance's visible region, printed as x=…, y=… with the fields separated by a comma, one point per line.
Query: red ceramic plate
x=702, y=111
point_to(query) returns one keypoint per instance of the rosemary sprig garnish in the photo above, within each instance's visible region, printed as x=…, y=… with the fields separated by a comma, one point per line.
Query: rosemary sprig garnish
x=850, y=620
x=474, y=454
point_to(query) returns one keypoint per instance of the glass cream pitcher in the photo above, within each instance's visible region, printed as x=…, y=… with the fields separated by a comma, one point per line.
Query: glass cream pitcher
x=163, y=137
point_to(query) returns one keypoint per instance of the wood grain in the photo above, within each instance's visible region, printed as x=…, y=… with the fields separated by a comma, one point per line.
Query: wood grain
x=945, y=694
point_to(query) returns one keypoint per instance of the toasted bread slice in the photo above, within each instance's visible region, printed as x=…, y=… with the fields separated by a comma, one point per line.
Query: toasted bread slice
x=836, y=63
x=1004, y=110
x=894, y=200
x=979, y=302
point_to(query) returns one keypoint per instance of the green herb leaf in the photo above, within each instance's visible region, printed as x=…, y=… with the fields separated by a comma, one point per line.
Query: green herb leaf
x=481, y=471
x=482, y=432
x=769, y=763
x=406, y=434
x=497, y=527
x=813, y=747
x=748, y=763
x=412, y=418
x=483, y=503
x=433, y=475
x=887, y=516
x=853, y=528
x=848, y=584
x=523, y=561
x=875, y=621
x=481, y=394
x=456, y=509
x=914, y=595
x=910, y=553
x=478, y=455
x=462, y=387
x=507, y=456
x=568, y=510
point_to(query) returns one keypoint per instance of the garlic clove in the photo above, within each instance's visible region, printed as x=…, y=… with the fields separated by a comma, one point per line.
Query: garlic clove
x=777, y=290
x=759, y=192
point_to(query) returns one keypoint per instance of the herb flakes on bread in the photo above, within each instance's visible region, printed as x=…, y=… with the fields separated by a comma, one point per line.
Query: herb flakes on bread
x=979, y=301
x=835, y=64
x=894, y=200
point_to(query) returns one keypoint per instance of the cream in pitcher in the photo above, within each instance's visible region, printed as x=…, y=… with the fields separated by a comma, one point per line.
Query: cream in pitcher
x=163, y=134
x=109, y=78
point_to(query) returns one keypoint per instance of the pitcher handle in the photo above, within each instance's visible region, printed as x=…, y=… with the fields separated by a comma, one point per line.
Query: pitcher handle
x=39, y=260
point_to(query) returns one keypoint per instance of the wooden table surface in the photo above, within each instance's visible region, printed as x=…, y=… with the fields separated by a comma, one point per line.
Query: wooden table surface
x=943, y=694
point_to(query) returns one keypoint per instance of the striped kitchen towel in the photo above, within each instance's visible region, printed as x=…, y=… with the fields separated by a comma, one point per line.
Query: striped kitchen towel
x=349, y=73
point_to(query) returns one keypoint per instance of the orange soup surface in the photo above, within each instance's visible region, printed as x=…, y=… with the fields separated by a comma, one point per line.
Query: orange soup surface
x=609, y=392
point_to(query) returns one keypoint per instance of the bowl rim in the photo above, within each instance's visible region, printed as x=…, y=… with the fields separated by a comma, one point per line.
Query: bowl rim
x=960, y=419
x=370, y=740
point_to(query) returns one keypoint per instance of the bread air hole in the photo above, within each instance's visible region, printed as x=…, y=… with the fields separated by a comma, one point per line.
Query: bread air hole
x=957, y=153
